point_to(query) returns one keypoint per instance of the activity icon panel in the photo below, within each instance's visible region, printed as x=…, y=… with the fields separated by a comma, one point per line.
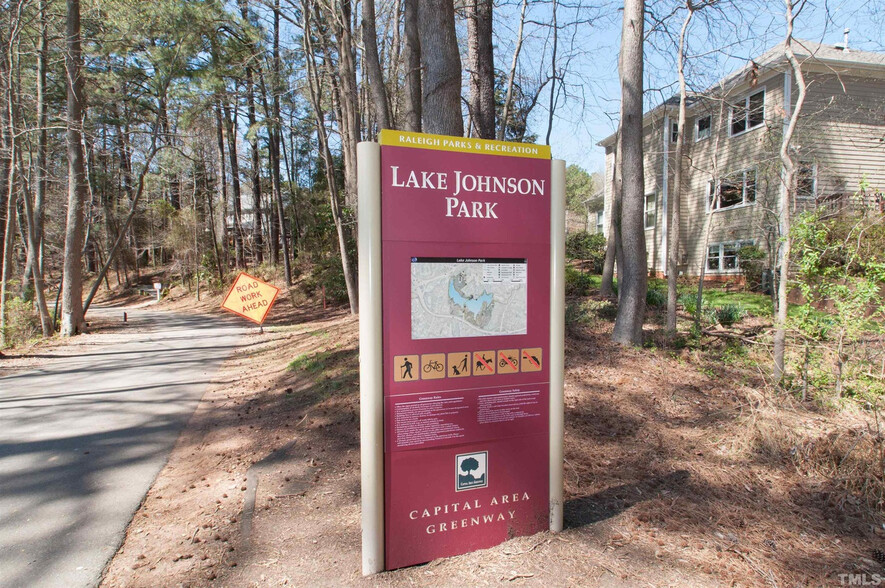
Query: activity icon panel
x=483, y=363
x=433, y=366
x=462, y=364
x=508, y=361
x=459, y=364
x=531, y=359
x=405, y=368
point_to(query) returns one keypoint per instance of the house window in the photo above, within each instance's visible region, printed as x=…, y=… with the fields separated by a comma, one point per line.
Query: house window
x=713, y=256
x=748, y=113
x=723, y=257
x=650, y=210
x=703, y=126
x=806, y=180
x=734, y=190
x=600, y=220
x=674, y=132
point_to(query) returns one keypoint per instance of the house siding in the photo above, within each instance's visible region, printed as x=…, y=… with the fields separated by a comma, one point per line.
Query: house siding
x=842, y=132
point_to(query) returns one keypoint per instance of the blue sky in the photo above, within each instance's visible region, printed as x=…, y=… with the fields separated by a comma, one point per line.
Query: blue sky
x=590, y=112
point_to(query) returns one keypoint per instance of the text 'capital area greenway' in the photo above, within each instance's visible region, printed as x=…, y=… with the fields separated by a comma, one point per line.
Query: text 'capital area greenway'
x=456, y=205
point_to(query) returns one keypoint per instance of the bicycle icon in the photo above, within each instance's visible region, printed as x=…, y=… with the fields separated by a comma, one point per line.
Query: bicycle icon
x=433, y=365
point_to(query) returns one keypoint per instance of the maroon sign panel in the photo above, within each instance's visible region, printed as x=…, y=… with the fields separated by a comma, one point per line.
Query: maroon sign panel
x=466, y=314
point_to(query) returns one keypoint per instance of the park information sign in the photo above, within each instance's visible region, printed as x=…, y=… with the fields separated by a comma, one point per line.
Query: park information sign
x=463, y=377
x=250, y=298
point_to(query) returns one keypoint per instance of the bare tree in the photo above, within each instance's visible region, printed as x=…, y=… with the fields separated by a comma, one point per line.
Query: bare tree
x=508, y=96
x=721, y=121
x=675, y=205
x=632, y=275
x=315, y=87
x=787, y=192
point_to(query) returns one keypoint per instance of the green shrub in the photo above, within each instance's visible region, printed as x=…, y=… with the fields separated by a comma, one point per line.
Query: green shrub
x=729, y=314
x=577, y=314
x=655, y=298
x=688, y=302
x=587, y=247
x=329, y=274
x=22, y=322
x=577, y=283
x=841, y=272
x=752, y=263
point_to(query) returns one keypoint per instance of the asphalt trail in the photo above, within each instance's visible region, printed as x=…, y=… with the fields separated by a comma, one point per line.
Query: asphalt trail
x=82, y=440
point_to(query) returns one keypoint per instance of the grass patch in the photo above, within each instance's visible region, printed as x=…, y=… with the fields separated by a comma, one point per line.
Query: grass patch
x=310, y=364
x=754, y=304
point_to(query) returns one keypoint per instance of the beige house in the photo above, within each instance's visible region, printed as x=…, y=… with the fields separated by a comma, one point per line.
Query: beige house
x=732, y=171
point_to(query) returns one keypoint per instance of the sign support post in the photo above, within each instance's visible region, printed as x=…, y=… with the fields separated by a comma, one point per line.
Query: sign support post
x=371, y=358
x=557, y=339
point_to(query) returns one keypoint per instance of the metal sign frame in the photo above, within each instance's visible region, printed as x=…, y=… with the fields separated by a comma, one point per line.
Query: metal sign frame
x=372, y=352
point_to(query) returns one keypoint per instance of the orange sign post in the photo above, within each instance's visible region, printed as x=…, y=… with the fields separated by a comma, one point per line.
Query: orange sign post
x=250, y=298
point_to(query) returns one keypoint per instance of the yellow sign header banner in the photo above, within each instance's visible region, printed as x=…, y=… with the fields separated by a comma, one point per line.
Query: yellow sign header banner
x=462, y=144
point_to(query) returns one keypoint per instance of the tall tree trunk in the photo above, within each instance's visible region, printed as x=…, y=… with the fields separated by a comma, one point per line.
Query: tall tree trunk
x=394, y=65
x=29, y=237
x=788, y=190
x=441, y=100
x=41, y=173
x=480, y=62
x=412, y=68
x=8, y=238
x=293, y=189
x=72, y=321
x=553, y=75
x=276, y=143
x=373, y=66
x=633, y=275
x=255, y=177
x=348, y=99
x=230, y=124
x=508, y=97
x=46, y=322
x=221, y=186
x=721, y=121
x=675, y=212
x=219, y=266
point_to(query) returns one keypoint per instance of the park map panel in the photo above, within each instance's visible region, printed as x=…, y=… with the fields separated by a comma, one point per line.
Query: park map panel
x=468, y=297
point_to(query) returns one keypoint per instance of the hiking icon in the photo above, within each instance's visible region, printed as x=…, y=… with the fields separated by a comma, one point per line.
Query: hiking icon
x=407, y=369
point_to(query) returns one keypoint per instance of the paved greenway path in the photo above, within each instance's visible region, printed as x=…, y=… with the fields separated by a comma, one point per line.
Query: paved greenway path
x=82, y=440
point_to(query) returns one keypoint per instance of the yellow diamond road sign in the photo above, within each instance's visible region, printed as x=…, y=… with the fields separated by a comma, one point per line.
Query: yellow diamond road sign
x=250, y=298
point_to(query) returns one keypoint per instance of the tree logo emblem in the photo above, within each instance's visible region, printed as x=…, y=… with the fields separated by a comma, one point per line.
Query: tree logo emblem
x=471, y=470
